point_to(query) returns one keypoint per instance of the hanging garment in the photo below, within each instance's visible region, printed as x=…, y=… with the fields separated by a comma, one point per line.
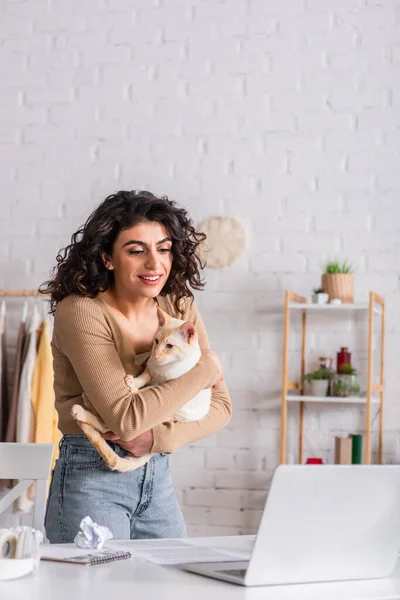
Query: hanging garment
x=12, y=418
x=24, y=410
x=45, y=429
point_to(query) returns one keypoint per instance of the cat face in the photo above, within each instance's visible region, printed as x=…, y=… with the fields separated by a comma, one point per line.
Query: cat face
x=173, y=343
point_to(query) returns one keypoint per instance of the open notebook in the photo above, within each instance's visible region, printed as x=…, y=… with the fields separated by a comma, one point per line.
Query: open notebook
x=83, y=557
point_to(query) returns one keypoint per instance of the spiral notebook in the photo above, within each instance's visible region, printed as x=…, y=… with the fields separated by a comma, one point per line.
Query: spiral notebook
x=71, y=555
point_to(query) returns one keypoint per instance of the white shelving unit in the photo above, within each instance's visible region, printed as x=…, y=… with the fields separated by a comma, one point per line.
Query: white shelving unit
x=332, y=399
x=374, y=393
x=377, y=310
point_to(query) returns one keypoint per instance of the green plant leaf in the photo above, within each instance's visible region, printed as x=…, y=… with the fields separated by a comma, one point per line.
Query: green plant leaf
x=320, y=374
x=347, y=369
x=333, y=267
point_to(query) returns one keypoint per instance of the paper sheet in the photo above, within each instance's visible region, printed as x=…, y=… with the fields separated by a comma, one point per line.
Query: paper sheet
x=173, y=552
x=161, y=552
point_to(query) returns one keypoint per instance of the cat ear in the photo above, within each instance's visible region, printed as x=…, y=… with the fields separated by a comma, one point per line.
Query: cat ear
x=162, y=317
x=188, y=332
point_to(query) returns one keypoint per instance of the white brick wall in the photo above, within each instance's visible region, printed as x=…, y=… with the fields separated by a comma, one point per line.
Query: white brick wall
x=284, y=114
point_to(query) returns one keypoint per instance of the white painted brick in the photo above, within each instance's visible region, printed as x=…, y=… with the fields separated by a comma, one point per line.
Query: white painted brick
x=13, y=25
x=189, y=457
x=5, y=251
x=219, y=458
x=320, y=121
x=346, y=181
x=20, y=228
x=342, y=223
x=285, y=8
x=250, y=438
x=258, y=360
x=249, y=460
x=224, y=301
x=156, y=53
x=47, y=227
x=377, y=160
x=13, y=271
x=196, y=515
x=385, y=223
x=372, y=242
x=48, y=95
x=214, y=498
x=367, y=282
x=25, y=78
x=284, y=224
x=244, y=480
x=226, y=517
x=314, y=203
x=380, y=262
x=190, y=478
x=39, y=249
x=278, y=263
x=254, y=499
x=310, y=242
x=377, y=120
x=207, y=442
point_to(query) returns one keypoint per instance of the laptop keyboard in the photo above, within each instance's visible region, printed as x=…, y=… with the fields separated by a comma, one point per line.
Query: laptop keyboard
x=235, y=572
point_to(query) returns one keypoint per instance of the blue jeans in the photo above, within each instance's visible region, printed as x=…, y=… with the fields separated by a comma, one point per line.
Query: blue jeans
x=135, y=505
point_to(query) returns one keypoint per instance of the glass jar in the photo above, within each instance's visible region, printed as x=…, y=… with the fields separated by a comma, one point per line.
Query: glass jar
x=325, y=363
x=343, y=386
x=343, y=358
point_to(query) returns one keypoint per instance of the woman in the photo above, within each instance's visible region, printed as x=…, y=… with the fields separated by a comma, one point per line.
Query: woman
x=135, y=251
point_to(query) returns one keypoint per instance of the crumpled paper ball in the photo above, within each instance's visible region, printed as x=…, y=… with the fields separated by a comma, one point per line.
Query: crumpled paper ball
x=92, y=535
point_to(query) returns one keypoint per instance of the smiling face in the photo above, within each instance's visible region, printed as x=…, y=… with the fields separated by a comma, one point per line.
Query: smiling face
x=141, y=259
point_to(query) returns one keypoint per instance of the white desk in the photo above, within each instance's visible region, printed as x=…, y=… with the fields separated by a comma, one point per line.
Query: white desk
x=138, y=580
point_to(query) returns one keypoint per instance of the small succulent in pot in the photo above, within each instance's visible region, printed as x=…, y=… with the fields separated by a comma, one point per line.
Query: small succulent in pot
x=319, y=296
x=319, y=381
x=338, y=281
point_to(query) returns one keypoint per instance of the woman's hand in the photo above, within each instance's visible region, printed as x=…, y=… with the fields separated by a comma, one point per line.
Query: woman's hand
x=139, y=446
x=217, y=361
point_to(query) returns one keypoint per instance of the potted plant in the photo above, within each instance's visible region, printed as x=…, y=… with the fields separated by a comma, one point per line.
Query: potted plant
x=338, y=281
x=346, y=382
x=319, y=381
x=319, y=296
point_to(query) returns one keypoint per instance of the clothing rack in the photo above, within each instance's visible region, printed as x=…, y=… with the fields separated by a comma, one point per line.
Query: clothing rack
x=21, y=294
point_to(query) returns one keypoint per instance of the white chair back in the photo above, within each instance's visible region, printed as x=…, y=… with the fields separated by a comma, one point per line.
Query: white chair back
x=29, y=463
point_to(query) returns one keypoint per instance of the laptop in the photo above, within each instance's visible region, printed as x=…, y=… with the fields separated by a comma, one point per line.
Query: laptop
x=321, y=523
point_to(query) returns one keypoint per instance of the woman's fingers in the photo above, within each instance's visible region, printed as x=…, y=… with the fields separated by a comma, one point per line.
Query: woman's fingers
x=109, y=435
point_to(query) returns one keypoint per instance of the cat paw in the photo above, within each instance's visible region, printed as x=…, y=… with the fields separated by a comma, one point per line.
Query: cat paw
x=130, y=382
x=78, y=412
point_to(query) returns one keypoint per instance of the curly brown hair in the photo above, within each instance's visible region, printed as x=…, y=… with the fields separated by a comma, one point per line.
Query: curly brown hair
x=80, y=268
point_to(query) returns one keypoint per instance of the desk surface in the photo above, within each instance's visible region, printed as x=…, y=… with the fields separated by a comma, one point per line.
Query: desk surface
x=147, y=581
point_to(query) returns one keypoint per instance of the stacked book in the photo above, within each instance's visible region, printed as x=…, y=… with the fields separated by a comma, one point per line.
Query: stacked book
x=348, y=450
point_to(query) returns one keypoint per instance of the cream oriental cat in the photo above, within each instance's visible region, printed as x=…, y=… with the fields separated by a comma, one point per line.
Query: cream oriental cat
x=175, y=351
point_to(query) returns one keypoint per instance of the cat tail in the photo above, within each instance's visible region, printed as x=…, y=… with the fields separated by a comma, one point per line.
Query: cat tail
x=111, y=458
